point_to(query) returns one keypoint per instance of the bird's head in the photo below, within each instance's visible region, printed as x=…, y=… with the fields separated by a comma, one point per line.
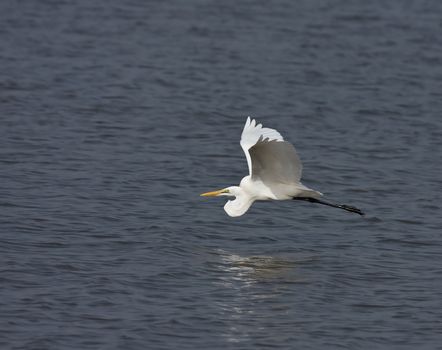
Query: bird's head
x=231, y=191
x=236, y=207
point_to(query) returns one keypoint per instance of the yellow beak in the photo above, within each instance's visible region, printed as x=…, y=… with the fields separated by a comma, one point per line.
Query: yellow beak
x=214, y=193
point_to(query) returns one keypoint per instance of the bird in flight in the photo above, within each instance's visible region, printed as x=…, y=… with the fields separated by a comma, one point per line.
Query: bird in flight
x=274, y=173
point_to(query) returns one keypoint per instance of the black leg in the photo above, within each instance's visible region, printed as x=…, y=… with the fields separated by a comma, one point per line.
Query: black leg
x=340, y=206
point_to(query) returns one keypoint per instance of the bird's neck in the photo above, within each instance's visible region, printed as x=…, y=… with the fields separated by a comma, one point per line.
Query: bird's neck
x=239, y=205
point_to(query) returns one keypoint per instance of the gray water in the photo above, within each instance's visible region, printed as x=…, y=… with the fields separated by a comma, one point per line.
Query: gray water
x=115, y=116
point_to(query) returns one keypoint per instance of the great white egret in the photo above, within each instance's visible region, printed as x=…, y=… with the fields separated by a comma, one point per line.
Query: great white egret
x=274, y=173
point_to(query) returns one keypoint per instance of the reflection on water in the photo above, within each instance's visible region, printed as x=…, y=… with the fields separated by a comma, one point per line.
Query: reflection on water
x=256, y=297
x=254, y=269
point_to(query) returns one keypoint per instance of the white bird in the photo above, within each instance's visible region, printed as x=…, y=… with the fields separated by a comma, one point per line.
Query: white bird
x=274, y=173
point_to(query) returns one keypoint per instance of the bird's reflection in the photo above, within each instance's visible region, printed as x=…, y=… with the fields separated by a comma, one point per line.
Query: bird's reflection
x=259, y=268
x=255, y=289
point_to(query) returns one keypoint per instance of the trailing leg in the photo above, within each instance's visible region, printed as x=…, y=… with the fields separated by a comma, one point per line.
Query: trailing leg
x=340, y=206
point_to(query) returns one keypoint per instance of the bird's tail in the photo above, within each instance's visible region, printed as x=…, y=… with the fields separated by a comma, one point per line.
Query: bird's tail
x=304, y=191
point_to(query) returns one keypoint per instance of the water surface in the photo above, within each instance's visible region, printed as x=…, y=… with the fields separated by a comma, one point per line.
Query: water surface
x=116, y=116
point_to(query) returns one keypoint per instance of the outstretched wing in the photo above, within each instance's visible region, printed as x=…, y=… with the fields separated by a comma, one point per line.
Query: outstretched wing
x=269, y=157
x=252, y=133
x=275, y=162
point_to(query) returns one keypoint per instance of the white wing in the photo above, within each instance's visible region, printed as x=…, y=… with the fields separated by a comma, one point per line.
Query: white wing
x=269, y=157
x=251, y=135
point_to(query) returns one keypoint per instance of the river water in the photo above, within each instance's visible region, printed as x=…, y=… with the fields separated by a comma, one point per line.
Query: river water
x=115, y=116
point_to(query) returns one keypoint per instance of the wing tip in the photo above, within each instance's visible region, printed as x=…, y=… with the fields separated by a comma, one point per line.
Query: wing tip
x=252, y=122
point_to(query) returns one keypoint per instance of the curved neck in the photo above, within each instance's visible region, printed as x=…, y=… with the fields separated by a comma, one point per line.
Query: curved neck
x=240, y=204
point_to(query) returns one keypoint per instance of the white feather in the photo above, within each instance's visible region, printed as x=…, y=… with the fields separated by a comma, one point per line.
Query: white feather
x=252, y=133
x=274, y=170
